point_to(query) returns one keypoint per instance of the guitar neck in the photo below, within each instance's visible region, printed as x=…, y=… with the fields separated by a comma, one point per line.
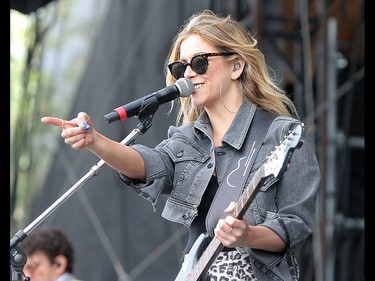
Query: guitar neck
x=250, y=192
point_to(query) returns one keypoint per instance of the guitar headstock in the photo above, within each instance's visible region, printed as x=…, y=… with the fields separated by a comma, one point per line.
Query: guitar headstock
x=279, y=159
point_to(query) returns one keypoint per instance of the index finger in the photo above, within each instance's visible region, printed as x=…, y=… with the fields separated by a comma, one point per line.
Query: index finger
x=58, y=122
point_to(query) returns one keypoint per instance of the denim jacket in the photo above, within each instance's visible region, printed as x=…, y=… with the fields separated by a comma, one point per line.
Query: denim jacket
x=182, y=165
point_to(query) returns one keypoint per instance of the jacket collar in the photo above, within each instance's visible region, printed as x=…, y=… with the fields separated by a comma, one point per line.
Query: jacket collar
x=236, y=134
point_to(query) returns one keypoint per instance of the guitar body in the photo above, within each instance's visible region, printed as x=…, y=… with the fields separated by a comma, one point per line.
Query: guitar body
x=192, y=258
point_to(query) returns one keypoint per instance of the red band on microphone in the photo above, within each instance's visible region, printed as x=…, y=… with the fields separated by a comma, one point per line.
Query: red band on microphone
x=122, y=113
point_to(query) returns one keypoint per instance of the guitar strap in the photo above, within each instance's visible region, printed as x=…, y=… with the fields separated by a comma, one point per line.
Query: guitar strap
x=232, y=185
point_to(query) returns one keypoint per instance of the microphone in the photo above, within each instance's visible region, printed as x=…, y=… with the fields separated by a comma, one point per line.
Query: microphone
x=183, y=87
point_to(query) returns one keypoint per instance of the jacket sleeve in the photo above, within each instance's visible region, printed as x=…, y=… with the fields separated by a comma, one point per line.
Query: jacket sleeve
x=159, y=171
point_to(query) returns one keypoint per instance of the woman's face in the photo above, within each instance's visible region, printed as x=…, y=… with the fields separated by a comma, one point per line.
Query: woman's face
x=207, y=86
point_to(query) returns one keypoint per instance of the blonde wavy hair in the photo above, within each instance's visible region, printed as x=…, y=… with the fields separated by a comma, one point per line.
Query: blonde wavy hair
x=256, y=82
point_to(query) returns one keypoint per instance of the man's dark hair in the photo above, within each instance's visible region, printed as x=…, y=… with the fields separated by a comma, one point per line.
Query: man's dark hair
x=53, y=242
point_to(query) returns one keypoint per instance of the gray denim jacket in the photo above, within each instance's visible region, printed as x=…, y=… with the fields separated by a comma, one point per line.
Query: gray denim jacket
x=182, y=165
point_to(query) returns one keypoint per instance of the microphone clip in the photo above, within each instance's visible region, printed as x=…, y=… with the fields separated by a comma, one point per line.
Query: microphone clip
x=146, y=112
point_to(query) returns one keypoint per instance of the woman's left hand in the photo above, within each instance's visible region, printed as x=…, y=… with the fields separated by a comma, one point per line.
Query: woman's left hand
x=230, y=231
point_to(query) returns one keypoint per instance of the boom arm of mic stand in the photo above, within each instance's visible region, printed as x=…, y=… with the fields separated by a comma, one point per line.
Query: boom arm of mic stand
x=17, y=256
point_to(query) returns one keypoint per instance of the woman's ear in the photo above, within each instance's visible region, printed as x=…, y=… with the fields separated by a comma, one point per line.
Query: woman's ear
x=238, y=66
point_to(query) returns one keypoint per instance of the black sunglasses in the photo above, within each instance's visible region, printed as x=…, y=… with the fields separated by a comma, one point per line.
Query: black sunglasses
x=198, y=64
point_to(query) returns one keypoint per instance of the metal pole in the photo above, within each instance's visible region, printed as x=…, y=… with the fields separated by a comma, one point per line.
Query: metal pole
x=332, y=134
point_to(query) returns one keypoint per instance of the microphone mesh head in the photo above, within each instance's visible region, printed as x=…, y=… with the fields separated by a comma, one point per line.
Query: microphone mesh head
x=185, y=86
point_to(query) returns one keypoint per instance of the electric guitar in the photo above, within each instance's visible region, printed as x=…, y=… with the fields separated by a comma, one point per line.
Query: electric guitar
x=207, y=248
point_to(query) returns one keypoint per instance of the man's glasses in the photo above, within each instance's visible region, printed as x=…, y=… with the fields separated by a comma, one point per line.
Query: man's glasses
x=198, y=64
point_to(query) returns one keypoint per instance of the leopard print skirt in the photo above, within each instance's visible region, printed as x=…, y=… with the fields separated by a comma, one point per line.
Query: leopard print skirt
x=231, y=266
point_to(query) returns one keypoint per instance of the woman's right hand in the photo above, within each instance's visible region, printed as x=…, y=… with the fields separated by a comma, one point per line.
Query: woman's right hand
x=78, y=132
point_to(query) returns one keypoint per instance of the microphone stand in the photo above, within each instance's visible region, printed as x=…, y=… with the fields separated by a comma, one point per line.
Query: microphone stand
x=17, y=256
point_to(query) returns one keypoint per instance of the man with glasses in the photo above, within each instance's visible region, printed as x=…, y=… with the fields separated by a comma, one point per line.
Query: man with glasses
x=232, y=86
